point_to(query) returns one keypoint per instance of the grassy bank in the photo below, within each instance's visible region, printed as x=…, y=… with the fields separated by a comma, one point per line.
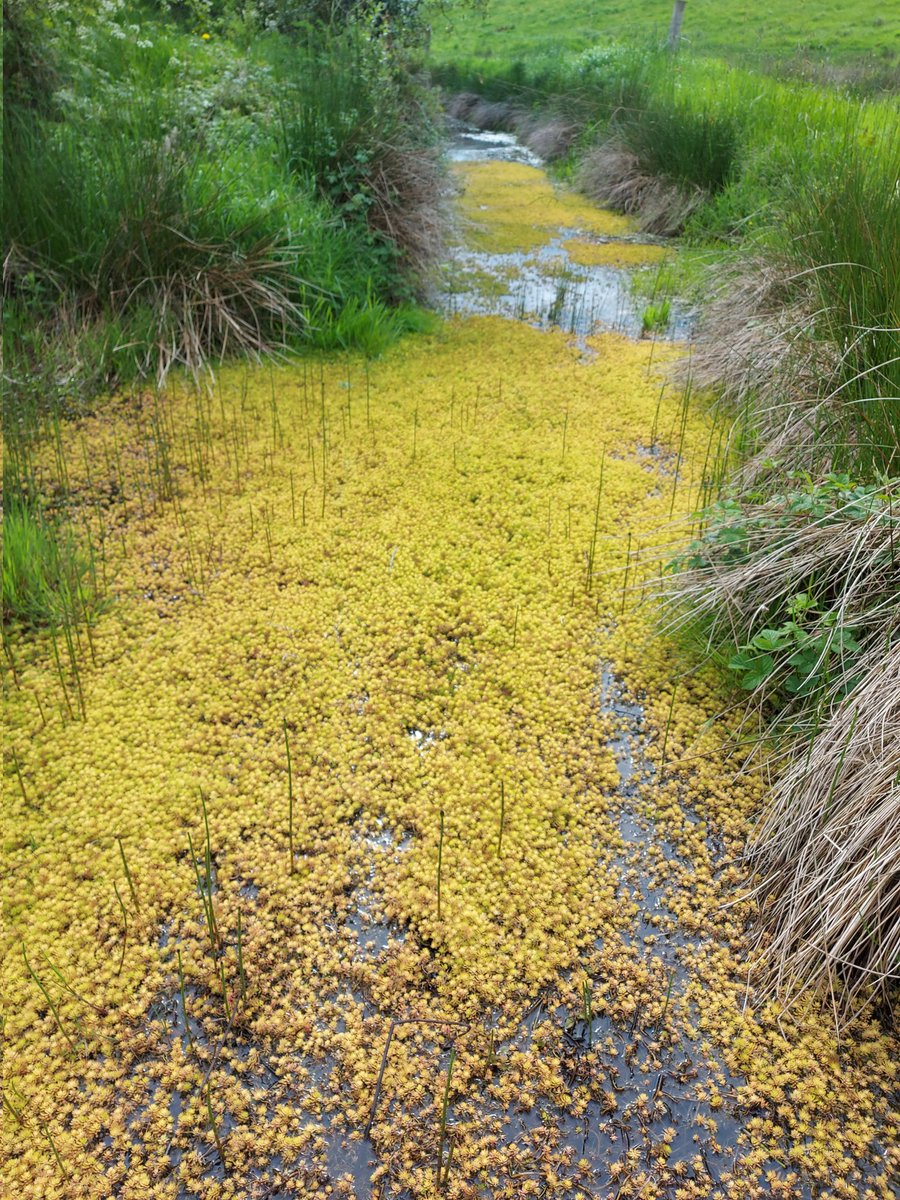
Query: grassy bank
x=172, y=197
x=177, y=194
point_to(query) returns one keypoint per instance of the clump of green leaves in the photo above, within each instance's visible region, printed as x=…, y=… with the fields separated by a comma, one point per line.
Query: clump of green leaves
x=801, y=655
x=789, y=592
x=656, y=316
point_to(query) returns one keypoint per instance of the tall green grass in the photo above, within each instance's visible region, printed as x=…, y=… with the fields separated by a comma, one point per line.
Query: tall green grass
x=179, y=201
x=119, y=215
x=696, y=147
x=844, y=235
x=47, y=580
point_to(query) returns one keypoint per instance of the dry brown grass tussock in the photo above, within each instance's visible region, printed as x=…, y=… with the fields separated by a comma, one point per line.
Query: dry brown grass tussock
x=611, y=175
x=826, y=852
x=757, y=351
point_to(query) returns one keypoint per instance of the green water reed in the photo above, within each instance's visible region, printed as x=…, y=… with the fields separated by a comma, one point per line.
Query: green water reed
x=205, y=886
x=654, y=431
x=202, y=887
x=124, y=912
x=128, y=876
x=324, y=447
x=627, y=570
x=60, y=673
x=592, y=553
x=213, y=1127
x=18, y=771
x=290, y=773
x=440, y=863
x=50, y=1004
x=443, y=1170
x=183, y=993
x=502, y=818
x=679, y=461
x=240, y=957
x=18, y=1115
x=665, y=745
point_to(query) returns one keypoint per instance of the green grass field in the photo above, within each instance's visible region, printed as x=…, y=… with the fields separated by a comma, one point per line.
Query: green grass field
x=731, y=28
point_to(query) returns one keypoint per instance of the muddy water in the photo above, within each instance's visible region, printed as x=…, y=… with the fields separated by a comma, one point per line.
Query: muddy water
x=546, y=287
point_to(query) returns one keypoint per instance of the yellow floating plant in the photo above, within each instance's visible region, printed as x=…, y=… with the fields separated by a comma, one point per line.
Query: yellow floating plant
x=614, y=254
x=513, y=207
x=401, y=578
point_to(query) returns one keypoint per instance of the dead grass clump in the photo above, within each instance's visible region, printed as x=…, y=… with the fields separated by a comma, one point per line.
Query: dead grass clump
x=495, y=114
x=611, y=175
x=408, y=189
x=757, y=350
x=461, y=105
x=827, y=853
x=746, y=340
x=799, y=595
x=549, y=137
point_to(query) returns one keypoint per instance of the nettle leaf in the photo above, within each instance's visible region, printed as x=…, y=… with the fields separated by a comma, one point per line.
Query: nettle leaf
x=845, y=640
x=731, y=534
x=801, y=685
x=804, y=661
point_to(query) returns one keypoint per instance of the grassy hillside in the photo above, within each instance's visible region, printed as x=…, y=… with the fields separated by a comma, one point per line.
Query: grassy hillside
x=732, y=28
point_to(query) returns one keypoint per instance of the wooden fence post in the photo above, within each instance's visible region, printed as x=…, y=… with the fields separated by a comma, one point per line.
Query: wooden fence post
x=675, y=27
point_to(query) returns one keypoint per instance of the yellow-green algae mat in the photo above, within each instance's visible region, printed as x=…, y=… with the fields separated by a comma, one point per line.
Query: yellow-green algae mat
x=431, y=938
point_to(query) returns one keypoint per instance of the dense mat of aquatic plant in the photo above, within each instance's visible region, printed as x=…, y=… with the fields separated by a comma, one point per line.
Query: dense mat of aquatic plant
x=333, y=863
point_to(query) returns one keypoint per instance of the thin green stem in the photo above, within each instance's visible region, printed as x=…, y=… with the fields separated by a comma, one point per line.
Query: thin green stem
x=287, y=750
x=440, y=864
x=46, y=996
x=128, y=877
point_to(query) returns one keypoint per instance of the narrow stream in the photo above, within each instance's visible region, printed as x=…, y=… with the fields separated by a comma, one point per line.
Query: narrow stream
x=547, y=286
x=644, y=1092
x=600, y=1074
